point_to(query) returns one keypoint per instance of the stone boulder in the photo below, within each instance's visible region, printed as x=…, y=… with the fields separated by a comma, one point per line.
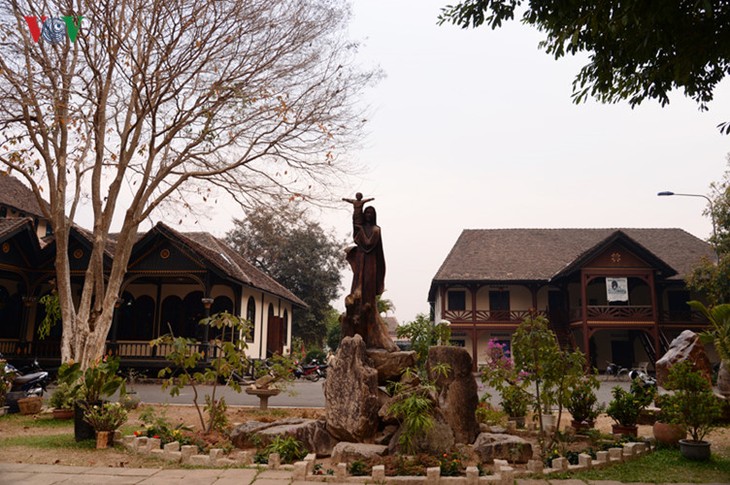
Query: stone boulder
x=457, y=391
x=390, y=365
x=312, y=433
x=345, y=452
x=490, y=447
x=440, y=439
x=351, y=394
x=686, y=346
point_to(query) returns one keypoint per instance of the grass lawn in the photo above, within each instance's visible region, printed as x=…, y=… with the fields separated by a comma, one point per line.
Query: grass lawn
x=663, y=466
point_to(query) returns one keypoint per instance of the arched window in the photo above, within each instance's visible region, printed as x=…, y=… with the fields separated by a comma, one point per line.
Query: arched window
x=125, y=317
x=251, y=317
x=173, y=316
x=9, y=314
x=221, y=304
x=141, y=322
x=194, y=313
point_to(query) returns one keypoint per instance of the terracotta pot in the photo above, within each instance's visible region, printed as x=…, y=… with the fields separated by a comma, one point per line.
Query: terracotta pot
x=62, y=413
x=581, y=425
x=519, y=421
x=695, y=450
x=669, y=434
x=625, y=430
x=102, y=439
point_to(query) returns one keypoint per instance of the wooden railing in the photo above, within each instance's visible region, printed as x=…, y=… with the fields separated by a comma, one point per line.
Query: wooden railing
x=635, y=313
x=512, y=316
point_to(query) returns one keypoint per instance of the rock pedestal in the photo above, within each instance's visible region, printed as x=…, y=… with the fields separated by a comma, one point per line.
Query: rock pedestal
x=457, y=391
x=351, y=394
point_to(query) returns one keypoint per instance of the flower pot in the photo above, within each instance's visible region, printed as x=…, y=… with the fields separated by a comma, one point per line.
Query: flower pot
x=695, y=450
x=102, y=439
x=669, y=434
x=63, y=413
x=581, y=426
x=30, y=405
x=519, y=421
x=625, y=430
x=548, y=422
x=82, y=429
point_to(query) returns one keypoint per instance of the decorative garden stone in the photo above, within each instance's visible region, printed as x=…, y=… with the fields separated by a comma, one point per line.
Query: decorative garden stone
x=686, y=346
x=351, y=393
x=440, y=439
x=345, y=452
x=492, y=447
x=390, y=365
x=457, y=391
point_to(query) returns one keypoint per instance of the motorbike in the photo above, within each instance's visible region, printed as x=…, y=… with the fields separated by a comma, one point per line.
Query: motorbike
x=645, y=380
x=312, y=371
x=24, y=384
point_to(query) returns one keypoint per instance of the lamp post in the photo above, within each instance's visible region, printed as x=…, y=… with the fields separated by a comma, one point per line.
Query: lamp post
x=712, y=214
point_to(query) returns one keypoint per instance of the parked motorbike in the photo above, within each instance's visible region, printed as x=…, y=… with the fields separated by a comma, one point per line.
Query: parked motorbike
x=312, y=371
x=24, y=384
x=645, y=380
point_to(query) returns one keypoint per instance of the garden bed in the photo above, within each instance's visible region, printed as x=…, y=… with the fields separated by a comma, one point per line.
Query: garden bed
x=40, y=439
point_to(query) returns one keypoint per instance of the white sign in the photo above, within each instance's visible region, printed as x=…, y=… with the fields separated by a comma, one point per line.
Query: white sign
x=617, y=289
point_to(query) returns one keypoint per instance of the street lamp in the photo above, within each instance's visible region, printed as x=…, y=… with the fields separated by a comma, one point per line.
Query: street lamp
x=712, y=213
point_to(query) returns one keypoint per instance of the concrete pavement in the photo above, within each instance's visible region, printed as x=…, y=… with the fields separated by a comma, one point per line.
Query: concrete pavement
x=32, y=474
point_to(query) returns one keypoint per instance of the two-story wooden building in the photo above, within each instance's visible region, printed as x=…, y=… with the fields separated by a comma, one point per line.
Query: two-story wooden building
x=616, y=294
x=174, y=279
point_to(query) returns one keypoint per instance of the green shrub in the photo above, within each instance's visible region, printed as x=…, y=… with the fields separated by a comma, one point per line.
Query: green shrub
x=289, y=449
x=359, y=468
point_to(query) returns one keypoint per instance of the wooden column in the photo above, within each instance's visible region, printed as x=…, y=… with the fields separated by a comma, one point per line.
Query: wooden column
x=655, y=316
x=584, y=314
x=475, y=347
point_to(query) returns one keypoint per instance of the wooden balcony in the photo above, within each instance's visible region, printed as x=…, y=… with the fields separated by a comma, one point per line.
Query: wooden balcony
x=489, y=316
x=635, y=313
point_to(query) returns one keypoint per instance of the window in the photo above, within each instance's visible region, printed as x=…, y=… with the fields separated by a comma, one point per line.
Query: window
x=457, y=300
x=251, y=317
x=499, y=305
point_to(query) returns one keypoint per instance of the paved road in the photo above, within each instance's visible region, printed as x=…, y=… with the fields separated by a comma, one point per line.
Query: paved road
x=300, y=393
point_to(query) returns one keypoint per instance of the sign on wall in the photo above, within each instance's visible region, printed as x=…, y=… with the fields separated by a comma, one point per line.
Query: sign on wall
x=617, y=289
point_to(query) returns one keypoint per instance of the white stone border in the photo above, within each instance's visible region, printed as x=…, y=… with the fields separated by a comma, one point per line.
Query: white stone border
x=304, y=470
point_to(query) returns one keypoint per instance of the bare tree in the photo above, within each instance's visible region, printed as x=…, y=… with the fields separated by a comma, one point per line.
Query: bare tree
x=157, y=99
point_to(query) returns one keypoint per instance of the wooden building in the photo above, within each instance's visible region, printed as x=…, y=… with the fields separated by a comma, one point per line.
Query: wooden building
x=174, y=279
x=616, y=294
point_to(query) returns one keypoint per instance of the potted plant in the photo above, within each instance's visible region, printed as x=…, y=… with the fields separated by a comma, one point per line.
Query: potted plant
x=697, y=408
x=666, y=429
x=68, y=390
x=98, y=381
x=62, y=400
x=583, y=403
x=626, y=406
x=105, y=419
x=514, y=403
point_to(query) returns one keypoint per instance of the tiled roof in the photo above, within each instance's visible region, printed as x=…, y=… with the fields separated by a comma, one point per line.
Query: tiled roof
x=16, y=195
x=230, y=263
x=10, y=225
x=541, y=254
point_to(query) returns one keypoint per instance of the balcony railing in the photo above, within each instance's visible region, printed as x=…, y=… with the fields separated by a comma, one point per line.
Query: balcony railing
x=633, y=313
x=636, y=313
x=509, y=316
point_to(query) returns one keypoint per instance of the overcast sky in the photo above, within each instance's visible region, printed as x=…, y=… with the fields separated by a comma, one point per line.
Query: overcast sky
x=476, y=129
